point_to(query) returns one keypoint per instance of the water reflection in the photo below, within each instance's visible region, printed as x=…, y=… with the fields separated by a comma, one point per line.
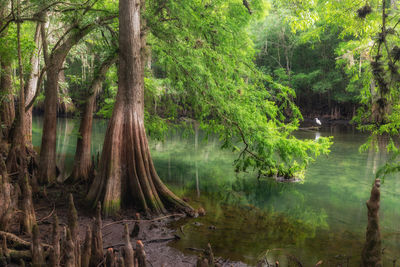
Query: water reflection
x=317, y=135
x=318, y=220
x=328, y=210
x=64, y=128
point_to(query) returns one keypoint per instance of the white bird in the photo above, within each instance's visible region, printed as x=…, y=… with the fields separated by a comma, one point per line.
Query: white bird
x=318, y=121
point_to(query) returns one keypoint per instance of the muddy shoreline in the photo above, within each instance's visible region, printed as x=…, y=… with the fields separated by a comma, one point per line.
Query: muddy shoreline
x=154, y=233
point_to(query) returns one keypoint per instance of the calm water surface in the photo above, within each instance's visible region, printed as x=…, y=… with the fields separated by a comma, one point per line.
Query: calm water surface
x=323, y=218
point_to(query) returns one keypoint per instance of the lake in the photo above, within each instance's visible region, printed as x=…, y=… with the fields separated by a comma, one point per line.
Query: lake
x=322, y=218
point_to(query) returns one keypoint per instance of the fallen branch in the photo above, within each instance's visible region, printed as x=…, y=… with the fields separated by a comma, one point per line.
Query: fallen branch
x=160, y=240
x=310, y=129
x=150, y=263
x=101, y=263
x=196, y=249
x=152, y=220
x=48, y=216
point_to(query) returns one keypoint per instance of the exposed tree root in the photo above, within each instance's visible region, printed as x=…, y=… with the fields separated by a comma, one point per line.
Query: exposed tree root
x=19, y=241
x=127, y=176
x=17, y=255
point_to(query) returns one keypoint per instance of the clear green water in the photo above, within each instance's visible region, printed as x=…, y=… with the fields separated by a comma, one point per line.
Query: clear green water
x=323, y=218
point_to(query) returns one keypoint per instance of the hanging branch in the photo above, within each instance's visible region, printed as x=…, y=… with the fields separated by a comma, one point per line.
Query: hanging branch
x=246, y=4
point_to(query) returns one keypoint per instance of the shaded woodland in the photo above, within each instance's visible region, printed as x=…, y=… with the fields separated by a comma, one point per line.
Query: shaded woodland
x=250, y=73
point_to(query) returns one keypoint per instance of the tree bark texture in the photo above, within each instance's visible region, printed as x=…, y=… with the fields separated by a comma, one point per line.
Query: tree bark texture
x=372, y=252
x=16, y=159
x=47, y=161
x=127, y=176
x=8, y=198
x=7, y=109
x=82, y=160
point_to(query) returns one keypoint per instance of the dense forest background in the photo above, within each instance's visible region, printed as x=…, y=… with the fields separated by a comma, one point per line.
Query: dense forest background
x=317, y=61
x=317, y=65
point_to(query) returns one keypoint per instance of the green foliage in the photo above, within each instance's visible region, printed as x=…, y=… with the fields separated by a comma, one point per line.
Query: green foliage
x=203, y=73
x=303, y=57
x=107, y=98
x=206, y=52
x=368, y=55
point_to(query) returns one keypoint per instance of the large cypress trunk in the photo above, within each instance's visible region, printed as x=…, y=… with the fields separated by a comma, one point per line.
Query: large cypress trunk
x=82, y=160
x=127, y=176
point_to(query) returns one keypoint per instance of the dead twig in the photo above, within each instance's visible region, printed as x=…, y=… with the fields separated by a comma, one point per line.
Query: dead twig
x=150, y=263
x=101, y=263
x=196, y=249
x=49, y=215
x=160, y=240
x=152, y=220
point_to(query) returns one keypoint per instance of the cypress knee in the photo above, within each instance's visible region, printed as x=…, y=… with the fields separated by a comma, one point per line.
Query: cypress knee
x=36, y=249
x=87, y=248
x=129, y=254
x=55, y=252
x=97, y=254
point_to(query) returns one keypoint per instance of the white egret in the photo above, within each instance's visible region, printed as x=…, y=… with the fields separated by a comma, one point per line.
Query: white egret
x=318, y=121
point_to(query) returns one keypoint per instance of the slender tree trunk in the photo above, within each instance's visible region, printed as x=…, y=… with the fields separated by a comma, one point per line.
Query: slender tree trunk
x=7, y=109
x=31, y=86
x=54, y=63
x=16, y=159
x=82, y=160
x=127, y=176
x=47, y=161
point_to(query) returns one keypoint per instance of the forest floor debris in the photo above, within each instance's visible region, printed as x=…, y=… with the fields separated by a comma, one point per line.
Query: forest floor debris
x=153, y=233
